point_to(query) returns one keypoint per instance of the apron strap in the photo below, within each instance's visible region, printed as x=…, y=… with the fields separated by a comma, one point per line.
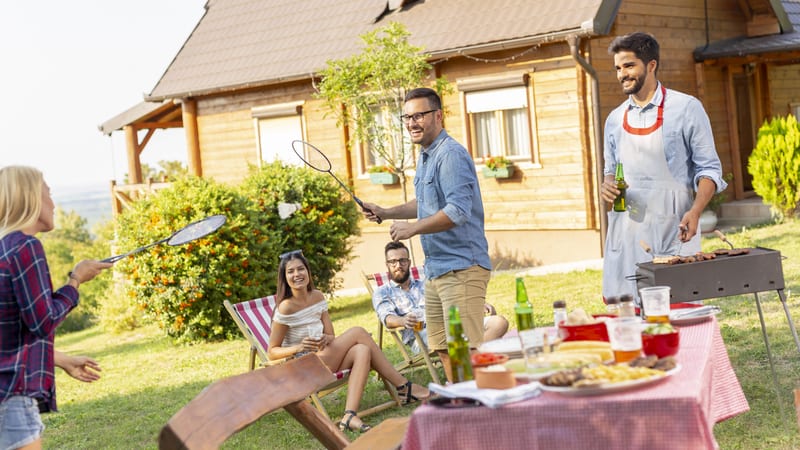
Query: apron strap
x=645, y=131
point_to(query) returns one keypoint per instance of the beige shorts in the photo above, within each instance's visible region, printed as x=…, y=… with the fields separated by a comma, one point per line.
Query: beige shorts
x=463, y=288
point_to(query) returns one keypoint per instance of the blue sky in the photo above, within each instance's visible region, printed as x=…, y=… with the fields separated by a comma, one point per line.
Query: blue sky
x=68, y=66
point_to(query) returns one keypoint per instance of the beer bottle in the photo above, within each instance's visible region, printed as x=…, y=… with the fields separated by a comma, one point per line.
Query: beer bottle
x=523, y=308
x=619, y=202
x=458, y=347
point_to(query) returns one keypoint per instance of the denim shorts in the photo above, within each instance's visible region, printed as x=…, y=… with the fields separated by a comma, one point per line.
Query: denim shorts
x=20, y=423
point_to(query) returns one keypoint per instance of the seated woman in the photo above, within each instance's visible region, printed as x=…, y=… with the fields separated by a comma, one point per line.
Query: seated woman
x=302, y=313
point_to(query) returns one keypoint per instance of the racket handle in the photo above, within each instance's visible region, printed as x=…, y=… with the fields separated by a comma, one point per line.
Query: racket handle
x=377, y=219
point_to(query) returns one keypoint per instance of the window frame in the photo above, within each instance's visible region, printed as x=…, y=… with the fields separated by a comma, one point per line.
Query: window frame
x=522, y=79
x=276, y=111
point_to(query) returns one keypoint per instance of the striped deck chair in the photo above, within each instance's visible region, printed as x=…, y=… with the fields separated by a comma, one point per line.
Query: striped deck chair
x=254, y=319
x=423, y=358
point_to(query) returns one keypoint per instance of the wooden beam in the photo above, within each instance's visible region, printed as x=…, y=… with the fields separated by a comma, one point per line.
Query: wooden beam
x=146, y=139
x=773, y=57
x=157, y=125
x=132, y=150
x=189, y=108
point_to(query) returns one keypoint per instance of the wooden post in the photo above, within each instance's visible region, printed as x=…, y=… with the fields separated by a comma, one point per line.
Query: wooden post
x=132, y=149
x=192, y=137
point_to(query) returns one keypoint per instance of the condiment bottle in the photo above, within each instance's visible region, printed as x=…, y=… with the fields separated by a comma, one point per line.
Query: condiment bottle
x=612, y=306
x=523, y=309
x=458, y=347
x=626, y=307
x=559, y=311
x=619, y=178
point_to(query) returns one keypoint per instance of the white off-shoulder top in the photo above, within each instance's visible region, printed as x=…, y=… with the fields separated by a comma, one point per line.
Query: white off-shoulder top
x=307, y=321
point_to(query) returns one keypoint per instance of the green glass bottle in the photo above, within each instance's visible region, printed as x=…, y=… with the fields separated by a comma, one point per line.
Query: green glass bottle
x=458, y=347
x=523, y=308
x=619, y=178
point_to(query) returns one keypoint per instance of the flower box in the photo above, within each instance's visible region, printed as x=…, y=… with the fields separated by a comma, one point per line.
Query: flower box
x=383, y=178
x=500, y=172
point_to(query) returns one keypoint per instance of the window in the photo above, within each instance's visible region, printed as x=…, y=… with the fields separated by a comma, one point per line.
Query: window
x=499, y=117
x=276, y=127
x=794, y=108
x=397, y=150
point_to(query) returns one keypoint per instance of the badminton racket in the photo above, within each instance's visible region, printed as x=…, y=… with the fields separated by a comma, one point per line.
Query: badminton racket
x=314, y=158
x=194, y=230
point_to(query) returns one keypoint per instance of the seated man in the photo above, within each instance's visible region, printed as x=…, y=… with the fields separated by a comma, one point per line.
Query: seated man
x=401, y=301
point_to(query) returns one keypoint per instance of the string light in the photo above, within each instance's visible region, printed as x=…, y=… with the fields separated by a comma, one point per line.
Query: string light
x=493, y=60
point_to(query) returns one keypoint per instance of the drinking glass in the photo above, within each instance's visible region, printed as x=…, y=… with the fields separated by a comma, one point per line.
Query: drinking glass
x=625, y=334
x=533, y=343
x=655, y=302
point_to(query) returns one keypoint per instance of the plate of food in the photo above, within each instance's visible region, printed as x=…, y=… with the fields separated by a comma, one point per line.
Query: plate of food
x=600, y=380
x=691, y=316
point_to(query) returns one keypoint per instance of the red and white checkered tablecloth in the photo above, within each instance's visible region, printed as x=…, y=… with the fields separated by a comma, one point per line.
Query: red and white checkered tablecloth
x=677, y=413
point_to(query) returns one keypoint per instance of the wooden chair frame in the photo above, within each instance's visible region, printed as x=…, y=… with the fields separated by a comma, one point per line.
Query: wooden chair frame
x=231, y=404
x=410, y=361
x=254, y=319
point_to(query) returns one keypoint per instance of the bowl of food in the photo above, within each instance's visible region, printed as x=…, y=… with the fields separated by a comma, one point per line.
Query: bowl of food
x=494, y=377
x=661, y=340
x=580, y=326
x=487, y=359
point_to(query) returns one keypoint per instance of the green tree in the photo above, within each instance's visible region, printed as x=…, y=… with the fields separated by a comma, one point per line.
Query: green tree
x=775, y=165
x=372, y=86
x=163, y=170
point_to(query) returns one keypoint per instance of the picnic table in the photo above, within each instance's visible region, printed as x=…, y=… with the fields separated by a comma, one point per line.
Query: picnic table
x=678, y=412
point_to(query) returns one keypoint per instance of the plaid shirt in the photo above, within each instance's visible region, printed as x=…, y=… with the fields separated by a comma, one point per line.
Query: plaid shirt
x=29, y=313
x=392, y=299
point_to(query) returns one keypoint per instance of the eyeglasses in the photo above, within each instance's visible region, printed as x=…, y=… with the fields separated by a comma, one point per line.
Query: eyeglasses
x=395, y=262
x=416, y=117
x=290, y=254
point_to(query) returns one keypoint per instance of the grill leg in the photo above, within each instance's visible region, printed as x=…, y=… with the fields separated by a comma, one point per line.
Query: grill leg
x=782, y=295
x=769, y=354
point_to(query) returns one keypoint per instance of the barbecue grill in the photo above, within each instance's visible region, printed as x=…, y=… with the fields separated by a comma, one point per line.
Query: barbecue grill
x=759, y=270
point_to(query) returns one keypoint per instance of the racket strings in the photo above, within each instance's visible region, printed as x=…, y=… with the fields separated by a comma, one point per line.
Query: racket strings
x=312, y=156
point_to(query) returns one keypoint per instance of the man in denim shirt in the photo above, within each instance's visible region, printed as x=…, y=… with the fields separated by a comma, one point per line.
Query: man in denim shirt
x=663, y=139
x=400, y=303
x=449, y=210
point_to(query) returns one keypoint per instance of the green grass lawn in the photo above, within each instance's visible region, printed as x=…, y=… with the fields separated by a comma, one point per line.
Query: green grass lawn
x=146, y=378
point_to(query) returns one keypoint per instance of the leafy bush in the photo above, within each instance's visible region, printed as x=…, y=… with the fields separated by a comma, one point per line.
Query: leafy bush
x=320, y=228
x=775, y=165
x=182, y=288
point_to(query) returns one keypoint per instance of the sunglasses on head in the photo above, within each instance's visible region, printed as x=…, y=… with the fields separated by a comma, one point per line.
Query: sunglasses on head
x=290, y=254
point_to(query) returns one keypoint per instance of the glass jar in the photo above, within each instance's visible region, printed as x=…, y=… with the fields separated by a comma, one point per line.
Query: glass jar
x=559, y=311
x=612, y=306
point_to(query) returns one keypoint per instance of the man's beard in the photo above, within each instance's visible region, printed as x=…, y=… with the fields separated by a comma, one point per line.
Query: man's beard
x=400, y=279
x=638, y=82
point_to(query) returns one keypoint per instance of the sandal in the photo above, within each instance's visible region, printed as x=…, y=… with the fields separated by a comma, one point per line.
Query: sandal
x=345, y=424
x=404, y=390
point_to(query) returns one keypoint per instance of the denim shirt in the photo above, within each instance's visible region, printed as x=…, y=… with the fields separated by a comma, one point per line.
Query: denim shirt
x=446, y=180
x=688, y=140
x=391, y=299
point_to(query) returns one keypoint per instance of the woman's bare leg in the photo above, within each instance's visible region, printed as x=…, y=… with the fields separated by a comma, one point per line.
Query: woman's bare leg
x=334, y=357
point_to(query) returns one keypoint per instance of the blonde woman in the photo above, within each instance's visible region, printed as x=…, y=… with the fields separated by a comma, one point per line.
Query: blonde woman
x=30, y=310
x=301, y=324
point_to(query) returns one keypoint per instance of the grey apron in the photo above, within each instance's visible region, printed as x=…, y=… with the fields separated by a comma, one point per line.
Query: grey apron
x=656, y=202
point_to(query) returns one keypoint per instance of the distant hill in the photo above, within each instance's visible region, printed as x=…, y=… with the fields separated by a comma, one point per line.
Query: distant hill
x=91, y=201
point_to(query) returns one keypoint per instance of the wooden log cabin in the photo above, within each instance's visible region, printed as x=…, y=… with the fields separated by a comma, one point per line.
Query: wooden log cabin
x=242, y=88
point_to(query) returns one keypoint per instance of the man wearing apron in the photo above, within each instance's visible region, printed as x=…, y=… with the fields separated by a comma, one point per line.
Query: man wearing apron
x=663, y=139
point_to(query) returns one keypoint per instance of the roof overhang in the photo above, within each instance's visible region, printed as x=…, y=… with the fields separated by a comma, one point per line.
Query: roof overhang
x=146, y=115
